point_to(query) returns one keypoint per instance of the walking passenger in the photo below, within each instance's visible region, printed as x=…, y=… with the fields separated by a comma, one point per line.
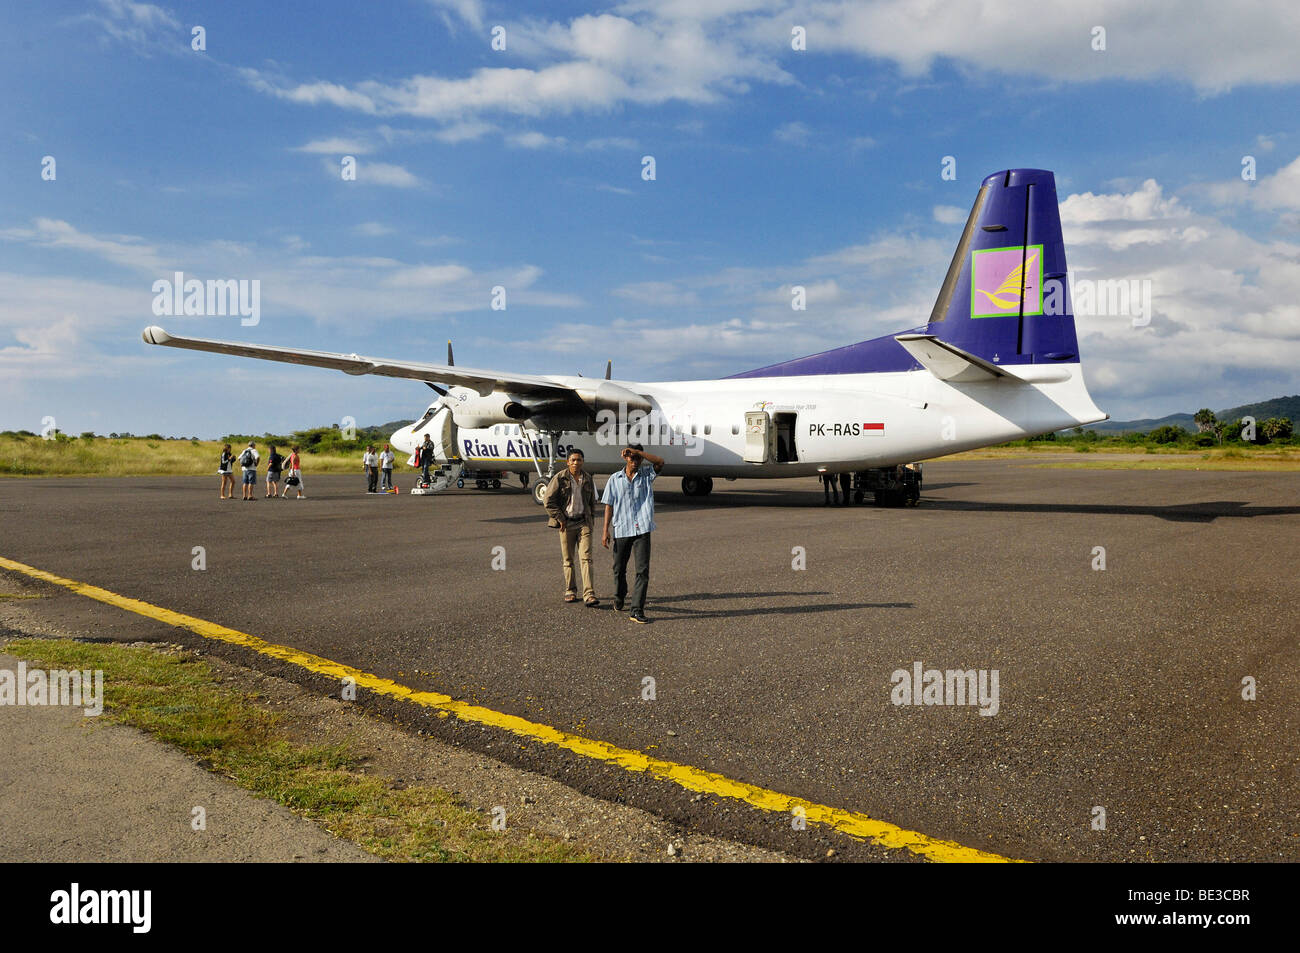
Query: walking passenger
x=294, y=478
x=629, y=520
x=571, y=505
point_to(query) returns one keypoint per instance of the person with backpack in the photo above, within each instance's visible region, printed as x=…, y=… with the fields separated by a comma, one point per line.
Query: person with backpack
x=248, y=463
x=273, y=465
x=226, y=469
x=294, y=479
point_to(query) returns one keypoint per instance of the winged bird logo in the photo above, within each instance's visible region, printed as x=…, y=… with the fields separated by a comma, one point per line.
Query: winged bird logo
x=999, y=275
x=1007, y=294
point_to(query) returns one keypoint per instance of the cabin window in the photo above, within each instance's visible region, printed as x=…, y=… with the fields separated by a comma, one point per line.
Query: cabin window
x=692, y=430
x=708, y=429
x=735, y=429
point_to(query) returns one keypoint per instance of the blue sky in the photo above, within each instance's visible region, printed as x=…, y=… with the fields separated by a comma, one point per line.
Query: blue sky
x=522, y=168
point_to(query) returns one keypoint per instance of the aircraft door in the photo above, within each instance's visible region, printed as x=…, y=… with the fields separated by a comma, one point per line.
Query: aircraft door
x=785, y=426
x=759, y=436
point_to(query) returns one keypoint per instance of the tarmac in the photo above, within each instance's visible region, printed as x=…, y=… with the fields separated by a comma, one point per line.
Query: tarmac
x=1119, y=688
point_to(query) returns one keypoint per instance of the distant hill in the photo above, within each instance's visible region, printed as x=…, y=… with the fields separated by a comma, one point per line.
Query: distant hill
x=1277, y=407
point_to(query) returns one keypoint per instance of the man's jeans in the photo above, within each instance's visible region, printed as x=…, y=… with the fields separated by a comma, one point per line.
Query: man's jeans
x=623, y=548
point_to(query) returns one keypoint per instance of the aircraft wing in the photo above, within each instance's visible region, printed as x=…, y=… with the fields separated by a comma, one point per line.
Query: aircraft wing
x=485, y=382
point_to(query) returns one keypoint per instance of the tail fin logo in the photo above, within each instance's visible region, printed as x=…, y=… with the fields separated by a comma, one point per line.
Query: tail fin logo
x=997, y=275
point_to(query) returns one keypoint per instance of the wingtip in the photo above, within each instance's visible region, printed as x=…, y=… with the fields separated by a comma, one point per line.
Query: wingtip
x=155, y=335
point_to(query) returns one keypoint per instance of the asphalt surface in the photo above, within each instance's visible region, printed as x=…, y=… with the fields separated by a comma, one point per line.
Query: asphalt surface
x=1119, y=689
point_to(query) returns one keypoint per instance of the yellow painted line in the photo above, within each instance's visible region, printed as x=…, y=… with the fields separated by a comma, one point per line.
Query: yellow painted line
x=692, y=779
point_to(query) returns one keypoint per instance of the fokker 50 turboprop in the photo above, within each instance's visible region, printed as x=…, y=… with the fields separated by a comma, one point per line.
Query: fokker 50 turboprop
x=997, y=361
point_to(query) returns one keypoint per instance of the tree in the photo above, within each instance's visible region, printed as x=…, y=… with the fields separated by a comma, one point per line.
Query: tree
x=1205, y=420
x=1167, y=434
x=1277, y=428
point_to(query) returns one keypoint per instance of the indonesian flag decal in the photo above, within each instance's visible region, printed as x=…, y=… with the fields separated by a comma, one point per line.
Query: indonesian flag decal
x=873, y=430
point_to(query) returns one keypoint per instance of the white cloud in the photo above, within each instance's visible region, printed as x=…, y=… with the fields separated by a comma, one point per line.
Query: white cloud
x=599, y=62
x=337, y=146
x=950, y=215
x=141, y=25
x=1277, y=192
x=792, y=133
x=535, y=140
x=1211, y=45
x=469, y=11
x=376, y=173
x=127, y=250
x=373, y=229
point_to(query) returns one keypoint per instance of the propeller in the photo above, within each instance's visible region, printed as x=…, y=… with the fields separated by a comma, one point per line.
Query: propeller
x=609, y=368
x=451, y=361
x=442, y=391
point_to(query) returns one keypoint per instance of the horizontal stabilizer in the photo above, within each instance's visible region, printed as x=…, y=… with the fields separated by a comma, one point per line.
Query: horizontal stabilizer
x=948, y=362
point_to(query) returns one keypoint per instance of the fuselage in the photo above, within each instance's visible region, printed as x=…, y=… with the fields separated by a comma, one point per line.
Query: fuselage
x=833, y=423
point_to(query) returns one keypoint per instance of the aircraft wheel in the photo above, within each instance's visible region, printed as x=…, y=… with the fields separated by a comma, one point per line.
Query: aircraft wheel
x=496, y=484
x=539, y=492
x=879, y=497
x=691, y=486
x=460, y=484
x=859, y=496
x=706, y=486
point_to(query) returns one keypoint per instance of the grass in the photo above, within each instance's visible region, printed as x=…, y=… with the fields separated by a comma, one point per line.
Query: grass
x=139, y=456
x=1224, y=462
x=176, y=697
x=1129, y=456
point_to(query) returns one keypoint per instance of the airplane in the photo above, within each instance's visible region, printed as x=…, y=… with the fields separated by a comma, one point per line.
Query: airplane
x=998, y=360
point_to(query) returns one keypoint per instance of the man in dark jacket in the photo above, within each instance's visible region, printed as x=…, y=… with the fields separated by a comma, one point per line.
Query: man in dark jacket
x=425, y=460
x=571, y=505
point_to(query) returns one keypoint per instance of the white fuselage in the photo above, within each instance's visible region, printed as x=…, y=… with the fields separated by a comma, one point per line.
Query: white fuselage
x=835, y=423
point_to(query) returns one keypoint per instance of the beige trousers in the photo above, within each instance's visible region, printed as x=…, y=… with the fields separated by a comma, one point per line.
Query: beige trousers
x=579, y=533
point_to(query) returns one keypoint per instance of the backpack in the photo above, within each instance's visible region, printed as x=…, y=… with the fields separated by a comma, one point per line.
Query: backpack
x=246, y=459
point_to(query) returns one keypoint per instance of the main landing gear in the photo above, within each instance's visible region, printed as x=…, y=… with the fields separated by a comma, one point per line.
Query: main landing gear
x=697, y=486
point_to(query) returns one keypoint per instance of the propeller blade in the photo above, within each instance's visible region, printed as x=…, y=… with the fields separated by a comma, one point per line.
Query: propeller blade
x=609, y=368
x=441, y=391
x=451, y=361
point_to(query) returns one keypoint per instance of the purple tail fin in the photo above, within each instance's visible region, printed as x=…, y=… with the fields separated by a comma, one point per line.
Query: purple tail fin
x=1004, y=298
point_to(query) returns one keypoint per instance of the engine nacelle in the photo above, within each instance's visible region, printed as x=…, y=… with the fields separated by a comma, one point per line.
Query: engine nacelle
x=472, y=411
